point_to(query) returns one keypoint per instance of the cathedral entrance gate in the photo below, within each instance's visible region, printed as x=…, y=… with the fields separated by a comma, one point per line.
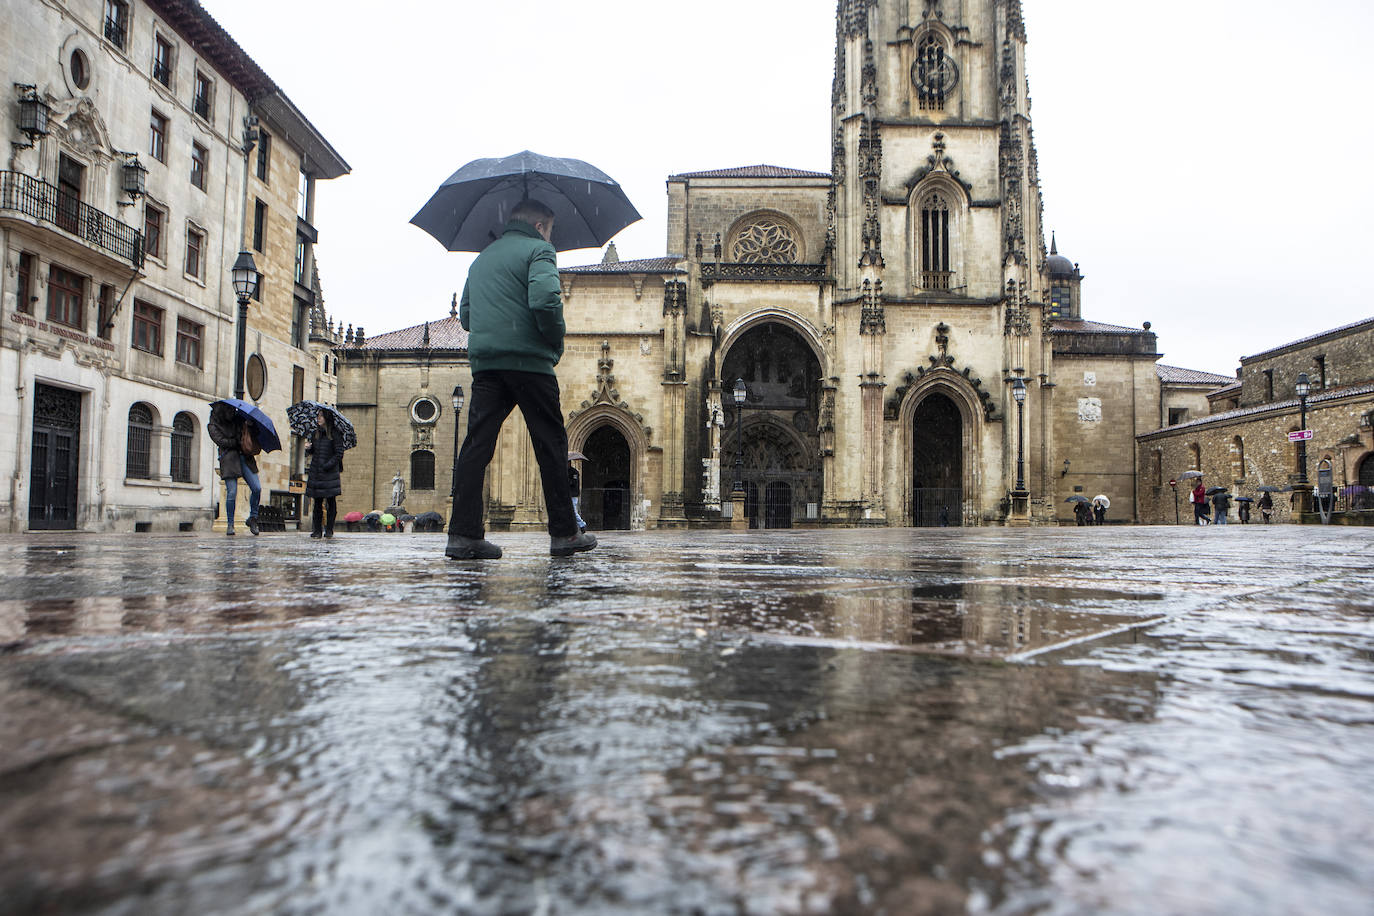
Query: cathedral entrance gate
x=55, y=451
x=937, y=463
x=606, y=493
x=781, y=444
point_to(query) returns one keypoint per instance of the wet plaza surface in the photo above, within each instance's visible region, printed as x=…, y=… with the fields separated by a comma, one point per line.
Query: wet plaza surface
x=1078, y=720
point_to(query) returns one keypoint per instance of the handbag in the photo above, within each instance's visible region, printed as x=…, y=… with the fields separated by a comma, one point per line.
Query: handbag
x=247, y=444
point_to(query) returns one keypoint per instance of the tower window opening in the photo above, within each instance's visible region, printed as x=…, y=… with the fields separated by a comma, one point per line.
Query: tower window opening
x=932, y=75
x=935, y=272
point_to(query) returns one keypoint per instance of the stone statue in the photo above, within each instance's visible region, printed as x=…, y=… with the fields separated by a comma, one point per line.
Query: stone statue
x=398, y=490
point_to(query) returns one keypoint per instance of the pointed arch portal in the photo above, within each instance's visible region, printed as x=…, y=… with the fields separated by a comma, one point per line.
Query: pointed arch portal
x=937, y=462
x=606, y=490
x=781, y=443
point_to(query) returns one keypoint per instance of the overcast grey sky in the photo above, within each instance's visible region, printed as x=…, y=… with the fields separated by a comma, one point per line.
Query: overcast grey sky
x=1206, y=168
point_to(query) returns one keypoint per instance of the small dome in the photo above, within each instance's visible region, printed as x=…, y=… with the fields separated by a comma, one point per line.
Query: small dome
x=1057, y=265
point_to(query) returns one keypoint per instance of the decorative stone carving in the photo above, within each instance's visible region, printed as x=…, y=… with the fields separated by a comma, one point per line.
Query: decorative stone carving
x=1090, y=410
x=765, y=241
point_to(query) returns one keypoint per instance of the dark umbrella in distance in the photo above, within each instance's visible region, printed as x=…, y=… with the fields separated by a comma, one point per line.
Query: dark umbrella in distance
x=1077, y=499
x=302, y=415
x=1245, y=499
x=469, y=210
x=263, y=429
x=1268, y=488
x=429, y=521
x=1213, y=491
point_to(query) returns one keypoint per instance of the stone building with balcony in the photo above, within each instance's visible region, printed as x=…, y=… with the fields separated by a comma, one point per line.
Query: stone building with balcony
x=146, y=148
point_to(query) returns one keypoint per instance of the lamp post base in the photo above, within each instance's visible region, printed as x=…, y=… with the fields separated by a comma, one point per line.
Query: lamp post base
x=1019, y=517
x=1302, y=501
x=738, y=520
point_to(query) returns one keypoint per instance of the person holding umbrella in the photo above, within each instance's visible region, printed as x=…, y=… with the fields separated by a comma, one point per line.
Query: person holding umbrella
x=322, y=481
x=232, y=432
x=512, y=309
x=1266, y=505
x=1199, y=501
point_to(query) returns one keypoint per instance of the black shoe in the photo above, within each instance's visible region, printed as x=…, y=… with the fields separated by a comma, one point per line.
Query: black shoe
x=465, y=548
x=328, y=533
x=229, y=533
x=571, y=544
x=315, y=533
x=252, y=524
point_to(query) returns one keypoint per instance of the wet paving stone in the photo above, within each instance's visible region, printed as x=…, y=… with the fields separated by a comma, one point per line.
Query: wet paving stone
x=1127, y=720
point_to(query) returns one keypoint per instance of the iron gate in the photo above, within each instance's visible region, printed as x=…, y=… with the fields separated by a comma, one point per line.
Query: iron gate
x=934, y=507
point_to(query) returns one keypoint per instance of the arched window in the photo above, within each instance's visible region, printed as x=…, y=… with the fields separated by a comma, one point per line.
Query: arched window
x=1158, y=467
x=935, y=271
x=183, y=442
x=765, y=240
x=422, y=470
x=138, y=460
x=1195, y=455
x=1237, y=458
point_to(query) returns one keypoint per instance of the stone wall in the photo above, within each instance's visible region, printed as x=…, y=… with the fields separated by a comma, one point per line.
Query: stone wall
x=1347, y=353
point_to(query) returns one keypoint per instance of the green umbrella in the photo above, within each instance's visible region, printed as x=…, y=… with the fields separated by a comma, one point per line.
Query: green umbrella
x=388, y=518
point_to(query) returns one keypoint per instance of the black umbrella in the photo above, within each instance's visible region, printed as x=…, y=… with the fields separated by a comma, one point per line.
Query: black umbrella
x=1077, y=499
x=1212, y=491
x=1269, y=488
x=1245, y=499
x=429, y=521
x=302, y=416
x=469, y=210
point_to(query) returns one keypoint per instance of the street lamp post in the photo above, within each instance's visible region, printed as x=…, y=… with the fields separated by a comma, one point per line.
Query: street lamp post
x=245, y=274
x=1303, y=389
x=1018, y=391
x=457, y=412
x=740, y=393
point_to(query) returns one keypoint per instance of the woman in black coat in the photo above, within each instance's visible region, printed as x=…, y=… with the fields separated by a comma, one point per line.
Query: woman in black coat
x=322, y=482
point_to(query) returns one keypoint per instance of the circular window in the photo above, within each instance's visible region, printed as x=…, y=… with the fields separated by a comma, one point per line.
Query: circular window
x=424, y=410
x=81, y=70
x=256, y=376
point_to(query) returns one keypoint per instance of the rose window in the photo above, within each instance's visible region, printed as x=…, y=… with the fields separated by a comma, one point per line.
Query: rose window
x=766, y=242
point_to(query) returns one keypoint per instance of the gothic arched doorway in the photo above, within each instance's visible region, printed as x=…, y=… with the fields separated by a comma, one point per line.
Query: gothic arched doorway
x=781, y=435
x=606, y=493
x=937, y=463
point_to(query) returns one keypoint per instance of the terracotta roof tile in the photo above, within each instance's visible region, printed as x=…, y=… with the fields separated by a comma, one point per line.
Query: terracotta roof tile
x=1180, y=376
x=444, y=334
x=1081, y=326
x=752, y=171
x=666, y=265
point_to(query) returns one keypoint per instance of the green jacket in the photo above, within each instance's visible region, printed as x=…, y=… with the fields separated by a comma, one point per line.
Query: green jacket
x=512, y=306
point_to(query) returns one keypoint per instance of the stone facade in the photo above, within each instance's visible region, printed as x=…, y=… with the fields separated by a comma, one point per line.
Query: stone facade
x=1247, y=446
x=121, y=218
x=879, y=316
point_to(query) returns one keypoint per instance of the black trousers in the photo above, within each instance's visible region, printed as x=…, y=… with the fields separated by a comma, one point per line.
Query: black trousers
x=320, y=504
x=495, y=393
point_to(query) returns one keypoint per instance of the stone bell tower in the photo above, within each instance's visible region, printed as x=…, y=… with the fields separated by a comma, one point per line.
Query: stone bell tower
x=934, y=219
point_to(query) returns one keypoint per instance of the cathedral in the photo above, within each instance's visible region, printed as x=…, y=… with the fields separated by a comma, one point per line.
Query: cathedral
x=890, y=343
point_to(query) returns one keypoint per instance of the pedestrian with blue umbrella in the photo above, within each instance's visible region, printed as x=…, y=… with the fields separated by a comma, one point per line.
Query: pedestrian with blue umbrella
x=241, y=431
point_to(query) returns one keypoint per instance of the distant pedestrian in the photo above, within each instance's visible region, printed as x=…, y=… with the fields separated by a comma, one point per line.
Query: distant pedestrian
x=575, y=485
x=1099, y=512
x=944, y=516
x=233, y=433
x=1199, y=500
x=512, y=309
x=1266, y=506
x=1221, y=505
x=1243, y=511
x=322, y=482
x=1082, y=512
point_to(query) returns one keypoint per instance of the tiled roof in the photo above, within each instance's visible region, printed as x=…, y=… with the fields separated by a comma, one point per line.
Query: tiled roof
x=752, y=171
x=1302, y=340
x=1224, y=389
x=666, y=265
x=1179, y=376
x=444, y=334
x=1289, y=404
x=1080, y=326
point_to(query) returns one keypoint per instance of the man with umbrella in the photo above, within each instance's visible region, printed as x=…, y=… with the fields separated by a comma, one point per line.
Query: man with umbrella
x=512, y=310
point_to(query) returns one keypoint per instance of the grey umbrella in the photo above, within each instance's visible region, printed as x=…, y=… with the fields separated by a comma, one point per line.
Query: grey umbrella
x=1268, y=488
x=469, y=210
x=1186, y=475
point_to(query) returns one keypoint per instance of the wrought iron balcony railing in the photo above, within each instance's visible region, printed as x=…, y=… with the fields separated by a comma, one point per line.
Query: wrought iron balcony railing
x=50, y=204
x=936, y=279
